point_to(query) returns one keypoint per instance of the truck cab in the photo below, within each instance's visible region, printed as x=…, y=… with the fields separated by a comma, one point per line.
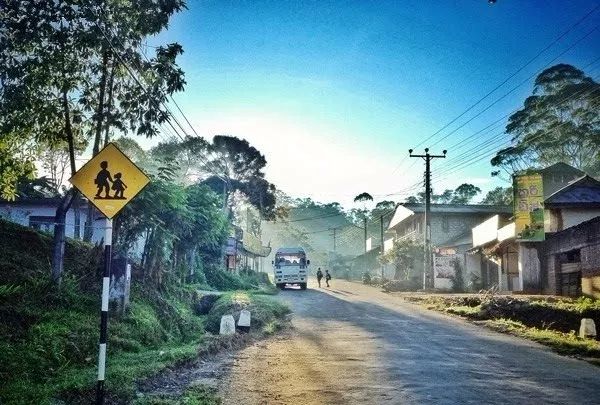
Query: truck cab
x=290, y=267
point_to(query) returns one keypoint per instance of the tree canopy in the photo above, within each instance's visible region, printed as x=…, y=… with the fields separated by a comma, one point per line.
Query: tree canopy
x=559, y=122
x=463, y=194
x=499, y=196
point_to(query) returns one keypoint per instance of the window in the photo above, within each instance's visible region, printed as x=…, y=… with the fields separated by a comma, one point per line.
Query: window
x=44, y=224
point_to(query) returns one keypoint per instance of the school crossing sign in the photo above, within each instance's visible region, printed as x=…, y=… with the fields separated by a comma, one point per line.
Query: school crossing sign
x=109, y=180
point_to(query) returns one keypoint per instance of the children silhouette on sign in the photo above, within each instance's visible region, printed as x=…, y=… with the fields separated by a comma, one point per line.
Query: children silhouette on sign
x=102, y=179
x=102, y=182
x=119, y=186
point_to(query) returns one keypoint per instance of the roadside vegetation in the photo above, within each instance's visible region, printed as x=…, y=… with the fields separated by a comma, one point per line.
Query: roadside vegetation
x=194, y=395
x=551, y=321
x=48, y=337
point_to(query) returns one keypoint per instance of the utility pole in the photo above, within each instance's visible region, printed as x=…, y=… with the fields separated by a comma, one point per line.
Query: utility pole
x=382, y=249
x=427, y=269
x=334, y=229
x=365, y=224
x=334, y=238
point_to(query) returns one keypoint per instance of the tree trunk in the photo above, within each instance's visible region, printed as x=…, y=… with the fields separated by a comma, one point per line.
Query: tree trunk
x=99, y=117
x=58, y=241
x=109, y=102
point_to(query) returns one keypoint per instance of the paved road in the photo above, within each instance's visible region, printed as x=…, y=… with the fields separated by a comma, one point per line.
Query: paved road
x=355, y=345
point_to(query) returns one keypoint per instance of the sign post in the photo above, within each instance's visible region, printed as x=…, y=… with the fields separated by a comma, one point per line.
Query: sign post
x=109, y=181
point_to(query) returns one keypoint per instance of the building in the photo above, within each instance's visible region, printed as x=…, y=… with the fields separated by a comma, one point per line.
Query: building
x=447, y=222
x=451, y=226
x=570, y=256
x=39, y=213
x=565, y=262
x=244, y=251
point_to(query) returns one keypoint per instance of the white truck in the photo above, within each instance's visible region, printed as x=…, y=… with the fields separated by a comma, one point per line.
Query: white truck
x=290, y=267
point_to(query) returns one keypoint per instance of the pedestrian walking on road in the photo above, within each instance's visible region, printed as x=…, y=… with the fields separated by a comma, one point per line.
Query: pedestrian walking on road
x=327, y=277
x=319, y=276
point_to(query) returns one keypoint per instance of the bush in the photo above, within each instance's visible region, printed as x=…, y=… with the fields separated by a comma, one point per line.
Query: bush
x=263, y=309
x=366, y=278
x=49, y=337
x=205, y=303
x=401, y=285
x=377, y=281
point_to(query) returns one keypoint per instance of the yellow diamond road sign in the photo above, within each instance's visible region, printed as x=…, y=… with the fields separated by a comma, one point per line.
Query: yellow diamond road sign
x=109, y=180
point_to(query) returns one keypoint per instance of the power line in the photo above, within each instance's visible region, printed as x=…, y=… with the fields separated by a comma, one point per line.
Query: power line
x=141, y=86
x=527, y=63
x=515, y=88
x=555, y=41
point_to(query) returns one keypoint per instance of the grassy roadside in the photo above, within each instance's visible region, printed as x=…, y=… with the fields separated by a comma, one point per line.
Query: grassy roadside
x=551, y=321
x=49, y=337
x=267, y=317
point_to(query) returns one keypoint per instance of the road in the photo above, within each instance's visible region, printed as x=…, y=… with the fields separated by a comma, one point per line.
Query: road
x=352, y=344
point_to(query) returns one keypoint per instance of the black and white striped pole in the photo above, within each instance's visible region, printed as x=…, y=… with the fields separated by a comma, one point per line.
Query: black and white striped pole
x=104, y=312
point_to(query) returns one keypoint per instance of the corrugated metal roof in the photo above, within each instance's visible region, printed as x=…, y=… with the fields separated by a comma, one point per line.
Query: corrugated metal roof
x=583, y=191
x=460, y=208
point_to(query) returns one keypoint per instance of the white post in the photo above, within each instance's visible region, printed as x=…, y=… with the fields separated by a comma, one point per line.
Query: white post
x=104, y=311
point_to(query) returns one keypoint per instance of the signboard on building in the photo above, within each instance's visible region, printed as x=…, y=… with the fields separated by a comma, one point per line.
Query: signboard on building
x=443, y=270
x=529, y=207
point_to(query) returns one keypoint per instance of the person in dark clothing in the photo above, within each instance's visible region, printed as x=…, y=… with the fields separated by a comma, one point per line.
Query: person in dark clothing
x=319, y=276
x=327, y=277
x=102, y=179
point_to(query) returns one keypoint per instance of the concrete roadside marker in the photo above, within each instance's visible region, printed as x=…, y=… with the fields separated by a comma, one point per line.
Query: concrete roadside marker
x=227, y=325
x=244, y=321
x=587, y=328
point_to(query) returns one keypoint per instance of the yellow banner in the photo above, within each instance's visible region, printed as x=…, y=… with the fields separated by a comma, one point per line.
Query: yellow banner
x=529, y=207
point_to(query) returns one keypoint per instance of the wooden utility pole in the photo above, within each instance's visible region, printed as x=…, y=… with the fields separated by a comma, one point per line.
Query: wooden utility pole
x=427, y=269
x=382, y=248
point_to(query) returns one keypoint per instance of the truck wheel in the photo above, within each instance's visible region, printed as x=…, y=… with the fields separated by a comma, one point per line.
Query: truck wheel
x=303, y=286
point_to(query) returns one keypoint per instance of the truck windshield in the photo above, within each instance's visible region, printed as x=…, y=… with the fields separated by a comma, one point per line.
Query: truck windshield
x=290, y=260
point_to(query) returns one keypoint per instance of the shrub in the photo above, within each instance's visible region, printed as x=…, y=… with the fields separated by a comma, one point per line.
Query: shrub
x=366, y=278
x=401, y=285
x=205, y=303
x=262, y=308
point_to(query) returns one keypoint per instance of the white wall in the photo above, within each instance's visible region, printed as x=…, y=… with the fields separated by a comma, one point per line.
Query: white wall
x=21, y=215
x=574, y=216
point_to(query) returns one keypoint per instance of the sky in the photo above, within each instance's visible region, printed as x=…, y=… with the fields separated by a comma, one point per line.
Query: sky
x=334, y=93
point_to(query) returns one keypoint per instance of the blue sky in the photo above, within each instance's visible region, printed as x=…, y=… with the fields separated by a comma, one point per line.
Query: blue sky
x=334, y=93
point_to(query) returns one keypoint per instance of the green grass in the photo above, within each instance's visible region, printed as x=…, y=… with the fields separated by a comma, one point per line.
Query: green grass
x=49, y=337
x=265, y=311
x=563, y=343
x=463, y=310
x=194, y=395
x=550, y=321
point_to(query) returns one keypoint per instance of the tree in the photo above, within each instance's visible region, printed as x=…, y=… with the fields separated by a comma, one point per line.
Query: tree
x=407, y=258
x=53, y=74
x=363, y=197
x=559, y=122
x=183, y=228
x=464, y=193
x=16, y=164
x=239, y=167
x=499, y=196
